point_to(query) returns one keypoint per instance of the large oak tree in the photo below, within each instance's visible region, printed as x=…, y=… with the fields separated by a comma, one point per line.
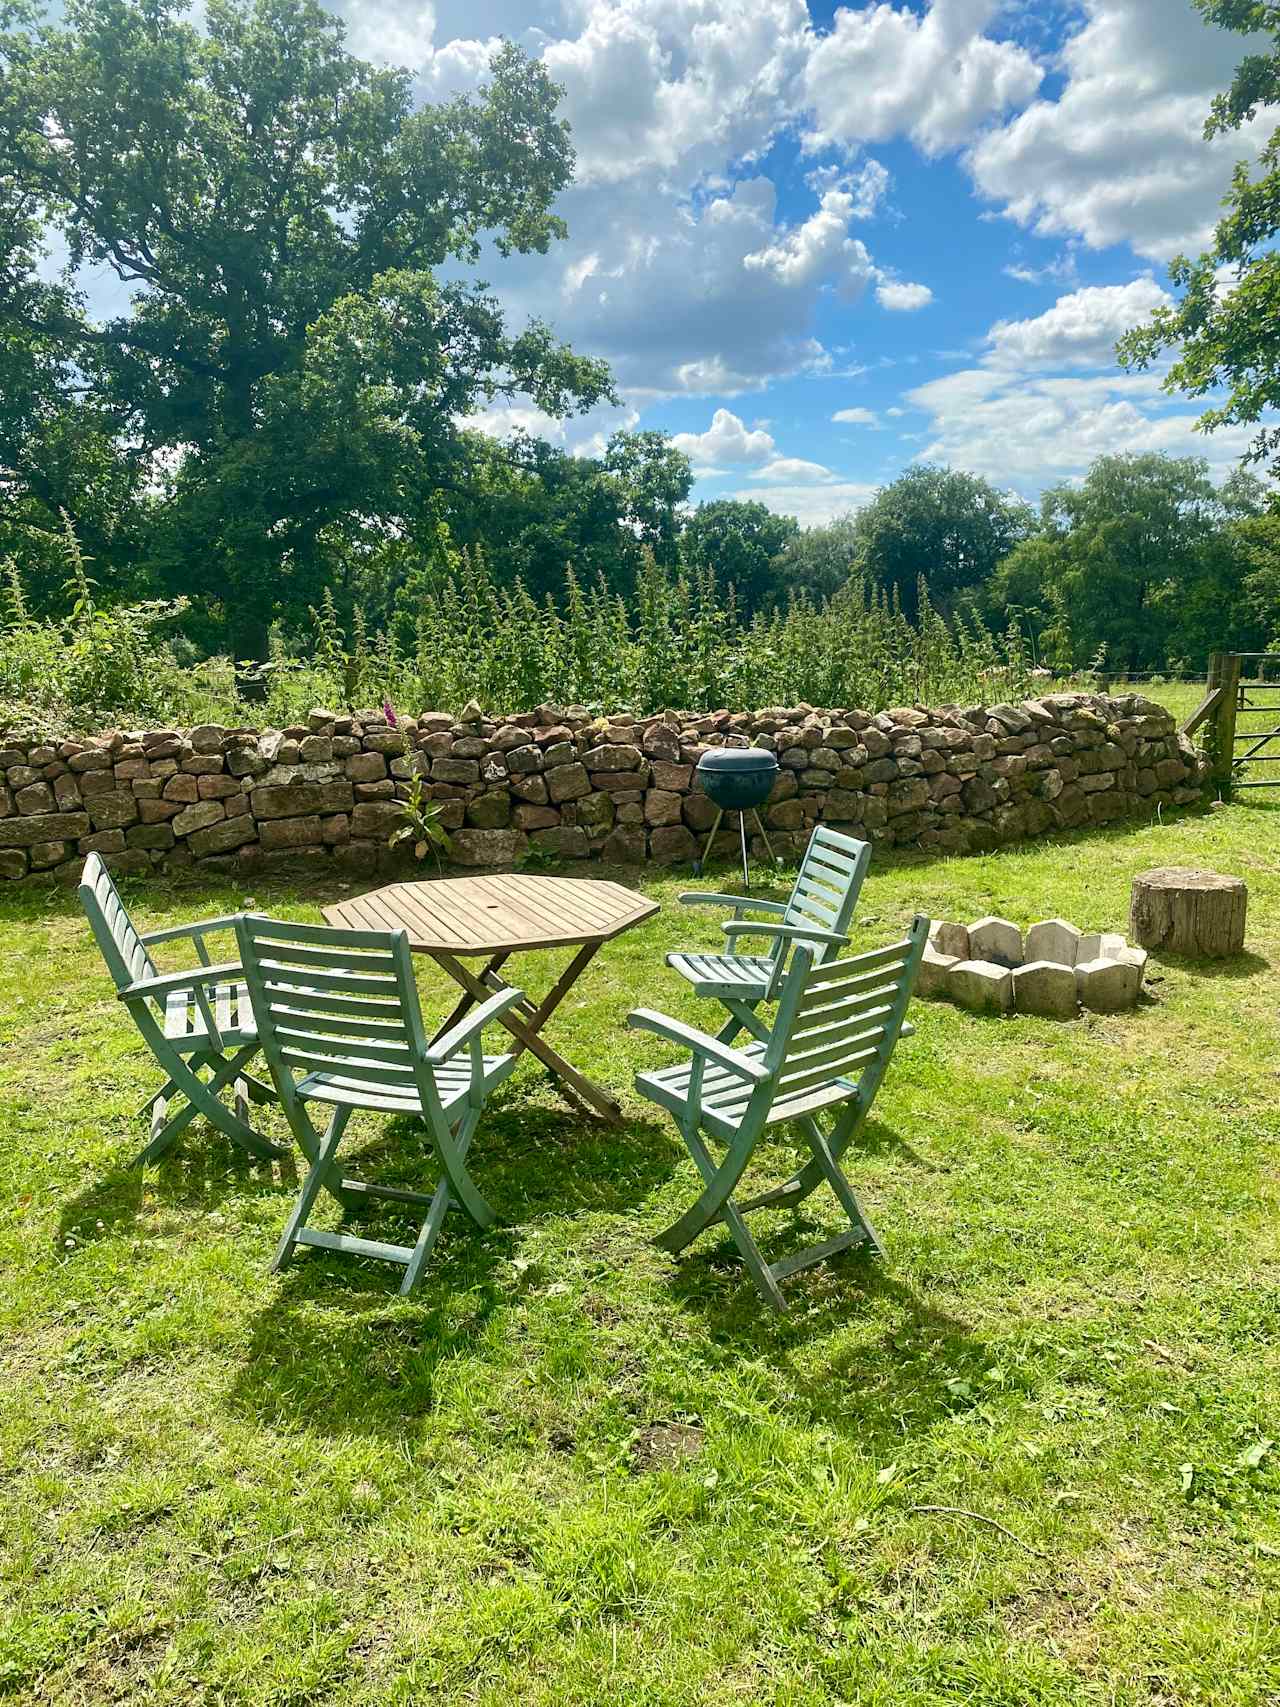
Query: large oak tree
x=299, y=350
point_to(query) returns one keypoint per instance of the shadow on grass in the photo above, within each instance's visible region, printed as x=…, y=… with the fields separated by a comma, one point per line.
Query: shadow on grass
x=337, y=1349
x=198, y=1174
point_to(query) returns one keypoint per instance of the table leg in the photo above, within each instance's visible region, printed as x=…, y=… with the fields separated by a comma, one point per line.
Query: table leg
x=468, y=1001
x=526, y=1031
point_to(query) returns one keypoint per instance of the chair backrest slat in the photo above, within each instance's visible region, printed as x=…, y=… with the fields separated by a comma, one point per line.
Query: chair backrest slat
x=342, y=1003
x=839, y=1019
x=118, y=940
x=826, y=888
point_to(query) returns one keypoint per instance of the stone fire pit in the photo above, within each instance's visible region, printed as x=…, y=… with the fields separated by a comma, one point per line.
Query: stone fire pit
x=1055, y=970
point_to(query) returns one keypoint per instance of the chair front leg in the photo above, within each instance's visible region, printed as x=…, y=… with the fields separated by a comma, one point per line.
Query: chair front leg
x=317, y=1176
x=439, y=1207
x=720, y=1181
x=202, y=1098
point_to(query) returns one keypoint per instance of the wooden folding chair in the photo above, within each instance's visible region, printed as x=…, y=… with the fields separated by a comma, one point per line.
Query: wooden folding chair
x=836, y=1026
x=194, y=1021
x=818, y=914
x=340, y=1023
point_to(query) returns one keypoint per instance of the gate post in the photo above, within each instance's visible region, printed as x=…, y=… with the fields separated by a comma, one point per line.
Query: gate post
x=1227, y=680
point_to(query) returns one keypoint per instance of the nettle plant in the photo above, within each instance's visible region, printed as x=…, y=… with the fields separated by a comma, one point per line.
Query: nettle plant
x=422, y=830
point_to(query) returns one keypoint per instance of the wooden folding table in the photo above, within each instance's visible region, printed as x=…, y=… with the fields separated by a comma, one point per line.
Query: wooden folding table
x=460, y=918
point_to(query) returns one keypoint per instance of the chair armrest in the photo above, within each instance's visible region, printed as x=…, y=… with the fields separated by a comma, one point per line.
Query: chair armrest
x=472, y=1025
x=199, y=928
x=710, y=1048
x=791, y=933
x=187, y=979
x=739, y=903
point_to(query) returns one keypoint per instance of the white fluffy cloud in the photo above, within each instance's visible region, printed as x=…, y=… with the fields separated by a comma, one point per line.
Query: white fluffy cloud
x=1020, y=423
x=815, y=502
x=902, y=298
x=819, y=249
x=1119, y=156
x=728, y=442
x=856, y=417
x=795, y=470
x=1081, y=328
x=886, y=70
x=1028, y=431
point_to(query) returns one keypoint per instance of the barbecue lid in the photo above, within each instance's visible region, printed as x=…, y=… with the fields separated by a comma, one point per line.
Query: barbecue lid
x=740, y=761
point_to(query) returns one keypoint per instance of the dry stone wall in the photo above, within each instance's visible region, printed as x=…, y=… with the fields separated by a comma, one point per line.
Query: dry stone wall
x=572, y=786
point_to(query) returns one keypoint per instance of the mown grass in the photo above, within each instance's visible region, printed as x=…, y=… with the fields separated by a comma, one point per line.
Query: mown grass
x=570, y=1470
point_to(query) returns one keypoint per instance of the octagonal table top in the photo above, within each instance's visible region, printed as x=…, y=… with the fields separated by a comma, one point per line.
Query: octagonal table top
x=495, y=915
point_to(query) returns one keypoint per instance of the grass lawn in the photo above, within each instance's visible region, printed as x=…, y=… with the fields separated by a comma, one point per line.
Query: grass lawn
x=572, y=1470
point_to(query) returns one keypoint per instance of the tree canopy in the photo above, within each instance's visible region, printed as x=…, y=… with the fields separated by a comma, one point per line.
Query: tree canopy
x=940, y=524
x=1224, y=323
x=289, y=358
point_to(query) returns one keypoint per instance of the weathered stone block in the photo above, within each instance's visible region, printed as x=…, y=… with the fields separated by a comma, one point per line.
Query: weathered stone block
x=376, y=819
x=198, y=817
x=950, y=939
x=13, y=863
x=1045, y=987
x=931, y=980
x=675, y=779
x=595, y=812
x=625, y=846
x=613, y=756
x=662, y=807
x=566, y=841
x=698, y=811
x=568, y=782
x=1053, y=939
x=490, y=811
x=102, y=842
x=1108, y=986
x=455, y=770
x=278, y=833
x=671, y=843
x=156, y=836
x=35, y=797
x=94, y=759
x=530, y=788
x=182, y=788
x=158, y=811
x=223, y=837
x=301, y=799
x=524, y=759
x=487, y=847
x=982, y=986
x=217, y=787
x=995, y=940
x=532, y=817
x=112, y=810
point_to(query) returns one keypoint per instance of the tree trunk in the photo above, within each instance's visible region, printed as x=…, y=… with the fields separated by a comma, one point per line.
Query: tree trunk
x=1182, y=911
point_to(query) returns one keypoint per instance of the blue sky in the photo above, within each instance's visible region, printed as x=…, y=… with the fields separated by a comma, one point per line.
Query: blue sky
x=930, y=217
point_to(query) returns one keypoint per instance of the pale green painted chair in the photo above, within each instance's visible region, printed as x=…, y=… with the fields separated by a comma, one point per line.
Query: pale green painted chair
x=818, y=913
x=833, y=1036
x=194, y=1021
x=341, y=1025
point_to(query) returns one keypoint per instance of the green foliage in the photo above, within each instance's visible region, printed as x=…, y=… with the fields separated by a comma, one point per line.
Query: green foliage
x=1224, y=323
x=940, y=526
x=91, y=665
x=739, y=540
x=422, y=829
x=290, y=362
x=1140, y=561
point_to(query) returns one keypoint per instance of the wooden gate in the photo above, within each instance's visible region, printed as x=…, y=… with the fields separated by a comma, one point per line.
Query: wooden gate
x=1242, y=707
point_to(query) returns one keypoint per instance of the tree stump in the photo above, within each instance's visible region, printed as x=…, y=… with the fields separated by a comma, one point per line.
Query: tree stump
x=1183, y=911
